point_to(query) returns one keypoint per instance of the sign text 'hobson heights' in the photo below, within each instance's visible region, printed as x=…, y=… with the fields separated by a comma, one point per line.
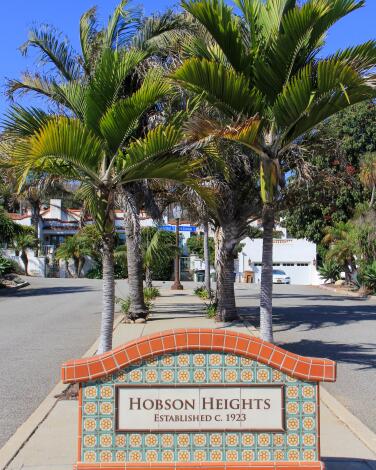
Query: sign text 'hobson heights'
x=199, y=398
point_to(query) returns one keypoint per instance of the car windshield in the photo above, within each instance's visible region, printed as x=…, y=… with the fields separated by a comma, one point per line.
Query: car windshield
x=279, y=272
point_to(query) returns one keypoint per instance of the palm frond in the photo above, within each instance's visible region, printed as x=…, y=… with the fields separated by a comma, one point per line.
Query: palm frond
x=336, y=10
x=23, y=122
x=289, y=51
x=142, y=154
x=36, y=83
x=159, y=249
x=122, y=26
x=89, y=37
x=61, y=142
x=361, y=58
x=203, y=48
x=109, y=75
x=223, y=87
x=122, y=118
x=201, y=132
x=97, y=206
x=54, y=49
x=73, y=96
x=159, y=31
x=224, y=27
x=295, y=99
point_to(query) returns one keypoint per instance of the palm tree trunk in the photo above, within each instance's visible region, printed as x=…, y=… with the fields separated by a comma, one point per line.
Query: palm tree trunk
x=266, y=290
x=373, y=196
x=25, y=261
x=134, y=256
x=81, y=264
x=108, y=295
x=225, y=294
x=148, y=277
x=35, y=217
x=67, y=268
x=207, y=258
x=76, y=266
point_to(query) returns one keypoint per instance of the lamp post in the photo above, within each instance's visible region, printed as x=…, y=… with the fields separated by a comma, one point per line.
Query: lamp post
x=177, y=212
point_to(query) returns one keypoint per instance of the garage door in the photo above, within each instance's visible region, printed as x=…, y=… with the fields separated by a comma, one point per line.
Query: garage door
x=300, y=273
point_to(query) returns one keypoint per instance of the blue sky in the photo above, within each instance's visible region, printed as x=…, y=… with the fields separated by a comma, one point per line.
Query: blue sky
x=16, y=16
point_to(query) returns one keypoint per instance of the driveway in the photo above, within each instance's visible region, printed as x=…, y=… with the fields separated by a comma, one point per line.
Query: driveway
x=314, y=322
x=41, y=326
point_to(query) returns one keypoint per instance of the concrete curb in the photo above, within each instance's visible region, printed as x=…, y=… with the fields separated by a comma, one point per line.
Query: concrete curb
x=22, y=435
x=360, y=430
x=347, y=293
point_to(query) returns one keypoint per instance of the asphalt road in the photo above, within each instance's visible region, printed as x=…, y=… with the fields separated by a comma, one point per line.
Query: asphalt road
x=41, y=326
x=314, y=322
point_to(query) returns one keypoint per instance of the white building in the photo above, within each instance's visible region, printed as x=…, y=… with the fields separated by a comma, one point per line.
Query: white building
x=297, y=258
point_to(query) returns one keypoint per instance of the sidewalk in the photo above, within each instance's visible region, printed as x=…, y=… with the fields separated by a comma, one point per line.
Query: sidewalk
x=54, y=441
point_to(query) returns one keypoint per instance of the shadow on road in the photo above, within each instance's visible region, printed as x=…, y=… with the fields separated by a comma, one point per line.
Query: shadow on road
x=29, y=292
x=361, y=355
x=168, y=311
x=308, y=317
x=349, y=464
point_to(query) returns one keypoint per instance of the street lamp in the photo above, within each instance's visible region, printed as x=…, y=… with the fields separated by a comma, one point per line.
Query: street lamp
x=177, y=212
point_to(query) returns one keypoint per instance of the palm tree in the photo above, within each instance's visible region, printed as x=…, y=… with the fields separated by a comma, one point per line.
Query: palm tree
x=159, y=247
x=97, y=147
x=341, y=240
x=22, y=242
x=8, y=228
x=232, y=177
x=264, y=70
x=126, y=29
x=368, y=174
x=74, y=248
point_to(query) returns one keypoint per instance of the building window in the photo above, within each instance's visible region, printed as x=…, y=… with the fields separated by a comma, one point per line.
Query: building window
x=276, y=264
x=288, y=264
x=257, y=264
x=303, y=264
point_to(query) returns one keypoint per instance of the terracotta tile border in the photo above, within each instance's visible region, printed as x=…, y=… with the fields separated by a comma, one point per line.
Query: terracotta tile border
x=203, y=465
x=199, y=339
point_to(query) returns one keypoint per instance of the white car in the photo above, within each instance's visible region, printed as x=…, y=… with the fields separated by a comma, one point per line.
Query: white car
x=280, y=277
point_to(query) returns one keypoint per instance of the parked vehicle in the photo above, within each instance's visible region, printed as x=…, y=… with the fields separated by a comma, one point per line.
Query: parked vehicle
x=280, y=277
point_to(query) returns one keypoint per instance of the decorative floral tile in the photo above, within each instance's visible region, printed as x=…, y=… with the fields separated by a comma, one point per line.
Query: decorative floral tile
x=101, y=443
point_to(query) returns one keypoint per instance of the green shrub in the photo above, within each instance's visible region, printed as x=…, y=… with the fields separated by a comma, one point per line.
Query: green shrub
x=367, y=276
x=203, y=293
x=330, y=271
x=6, y=266
x=120, y=271
x=211, y=310
x=150, y=293
x=124, y=304
x=95, y=273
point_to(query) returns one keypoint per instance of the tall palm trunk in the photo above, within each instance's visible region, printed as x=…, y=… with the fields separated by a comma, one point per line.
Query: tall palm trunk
x=35, y=218
x=266, y=291
x=81, y=264
x=76, y=263
x=148, y=277
x=207, y=258
x=108, y=294
x=225, y=294
x=25, y=261
x=134, y=256
x=373, y=196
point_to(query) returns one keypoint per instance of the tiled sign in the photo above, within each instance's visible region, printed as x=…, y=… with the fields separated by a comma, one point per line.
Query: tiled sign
x=199, y=398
